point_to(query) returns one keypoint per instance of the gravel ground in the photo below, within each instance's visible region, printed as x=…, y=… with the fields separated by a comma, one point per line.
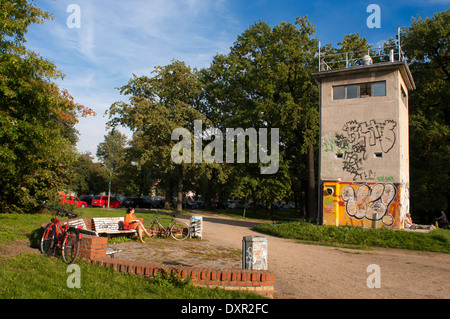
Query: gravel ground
x=305, y=271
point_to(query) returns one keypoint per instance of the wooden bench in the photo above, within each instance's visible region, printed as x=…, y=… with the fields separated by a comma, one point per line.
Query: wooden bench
x=81, y=225
x=110, y=226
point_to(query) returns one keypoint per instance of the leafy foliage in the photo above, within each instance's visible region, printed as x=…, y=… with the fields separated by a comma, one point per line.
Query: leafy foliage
x=265, y=82
x=88, y=176
x=158, y=105
x=425, y=44
x=37, y=118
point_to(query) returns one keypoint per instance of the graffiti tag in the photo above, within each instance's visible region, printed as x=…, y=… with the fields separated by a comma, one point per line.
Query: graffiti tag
x=353, y=144
x=371, y=203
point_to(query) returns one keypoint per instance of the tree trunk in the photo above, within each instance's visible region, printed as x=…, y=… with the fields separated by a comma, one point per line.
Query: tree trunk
x=295, y=202
x=180, y=188
x=208, y=194
x=168, y=186
x=312, y=210
x=303, y=214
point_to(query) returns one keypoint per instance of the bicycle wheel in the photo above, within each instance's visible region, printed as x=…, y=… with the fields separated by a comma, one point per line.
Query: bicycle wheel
x=152, y=228
x=48, y=240
x=179, y=231
x=71, y=246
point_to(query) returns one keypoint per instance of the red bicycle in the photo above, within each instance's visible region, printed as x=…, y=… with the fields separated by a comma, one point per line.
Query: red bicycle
x=61, y=237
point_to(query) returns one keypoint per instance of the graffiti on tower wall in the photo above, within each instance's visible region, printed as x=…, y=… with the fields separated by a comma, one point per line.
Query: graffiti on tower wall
x=372, y=205
x=353, y=144
x=369, y=202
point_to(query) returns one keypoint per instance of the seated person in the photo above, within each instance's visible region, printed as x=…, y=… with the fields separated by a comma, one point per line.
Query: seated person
x=132, y=222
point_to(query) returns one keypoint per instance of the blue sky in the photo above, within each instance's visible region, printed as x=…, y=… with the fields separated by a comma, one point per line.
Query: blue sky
x=119, y=38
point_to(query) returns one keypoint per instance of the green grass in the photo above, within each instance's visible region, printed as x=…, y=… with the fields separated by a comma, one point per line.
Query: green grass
x=33, y=276
x=36, y=276
x=20, y=227
x=437, y=240
x=27, y=226
x=165, y=216
x=251, y=213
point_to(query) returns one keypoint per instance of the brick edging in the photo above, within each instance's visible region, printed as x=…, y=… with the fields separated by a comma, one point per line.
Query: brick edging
x=93, y=248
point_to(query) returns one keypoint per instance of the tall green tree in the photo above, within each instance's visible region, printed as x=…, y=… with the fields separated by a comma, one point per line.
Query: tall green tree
x=111, y=153
x=37, y=118
x=138, y=174
x=265, y=82
x=88, y=176
x=425, y=43
x=156, y=106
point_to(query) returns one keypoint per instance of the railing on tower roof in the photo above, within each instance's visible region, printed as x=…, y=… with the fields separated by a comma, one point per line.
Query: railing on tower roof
x=365, y=57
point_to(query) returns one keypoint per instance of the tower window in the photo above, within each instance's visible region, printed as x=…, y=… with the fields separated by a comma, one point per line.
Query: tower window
x=352, y=91
x=379, y=88
x=361, y=90
x=339, y=92
x=404, y=96
x=365, y=90
x=378, y=155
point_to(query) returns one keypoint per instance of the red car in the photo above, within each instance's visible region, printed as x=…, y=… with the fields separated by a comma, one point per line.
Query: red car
x=68, y=199
x=102, y=201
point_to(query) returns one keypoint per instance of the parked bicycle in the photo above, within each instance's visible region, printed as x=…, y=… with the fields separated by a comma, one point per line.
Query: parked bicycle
x=177, y=229
x=61, y=237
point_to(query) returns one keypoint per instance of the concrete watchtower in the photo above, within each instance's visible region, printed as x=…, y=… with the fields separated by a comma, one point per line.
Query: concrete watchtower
x=364, y=153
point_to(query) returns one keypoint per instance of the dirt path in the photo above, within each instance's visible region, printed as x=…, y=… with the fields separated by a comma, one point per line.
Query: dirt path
x=306, y=271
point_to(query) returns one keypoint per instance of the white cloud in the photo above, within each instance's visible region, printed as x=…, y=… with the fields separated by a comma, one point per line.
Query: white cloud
x=87, y=33
x=116, y=40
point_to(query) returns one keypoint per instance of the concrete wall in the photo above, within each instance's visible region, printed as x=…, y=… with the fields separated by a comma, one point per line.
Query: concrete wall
x=359, y=128
x=365, y=148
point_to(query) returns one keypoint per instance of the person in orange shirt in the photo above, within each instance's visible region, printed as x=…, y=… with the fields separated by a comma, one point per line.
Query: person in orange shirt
x=132, y=222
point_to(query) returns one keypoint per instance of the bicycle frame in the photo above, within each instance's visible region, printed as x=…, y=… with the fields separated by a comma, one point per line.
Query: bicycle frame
x=162, y=231
x=165, y=230
x=60, y=233
x=60, y=236
x=57, y=236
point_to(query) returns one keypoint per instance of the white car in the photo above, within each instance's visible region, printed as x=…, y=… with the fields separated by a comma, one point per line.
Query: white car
x=235, y=204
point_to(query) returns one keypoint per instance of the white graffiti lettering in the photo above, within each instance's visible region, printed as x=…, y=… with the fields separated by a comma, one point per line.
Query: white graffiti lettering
x=371, y=203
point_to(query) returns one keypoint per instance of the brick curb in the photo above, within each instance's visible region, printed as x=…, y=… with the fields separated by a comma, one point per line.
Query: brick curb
x=261, y=282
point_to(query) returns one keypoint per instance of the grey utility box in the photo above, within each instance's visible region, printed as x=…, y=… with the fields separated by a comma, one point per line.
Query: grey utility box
x=196, y=226
x=254, y=253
